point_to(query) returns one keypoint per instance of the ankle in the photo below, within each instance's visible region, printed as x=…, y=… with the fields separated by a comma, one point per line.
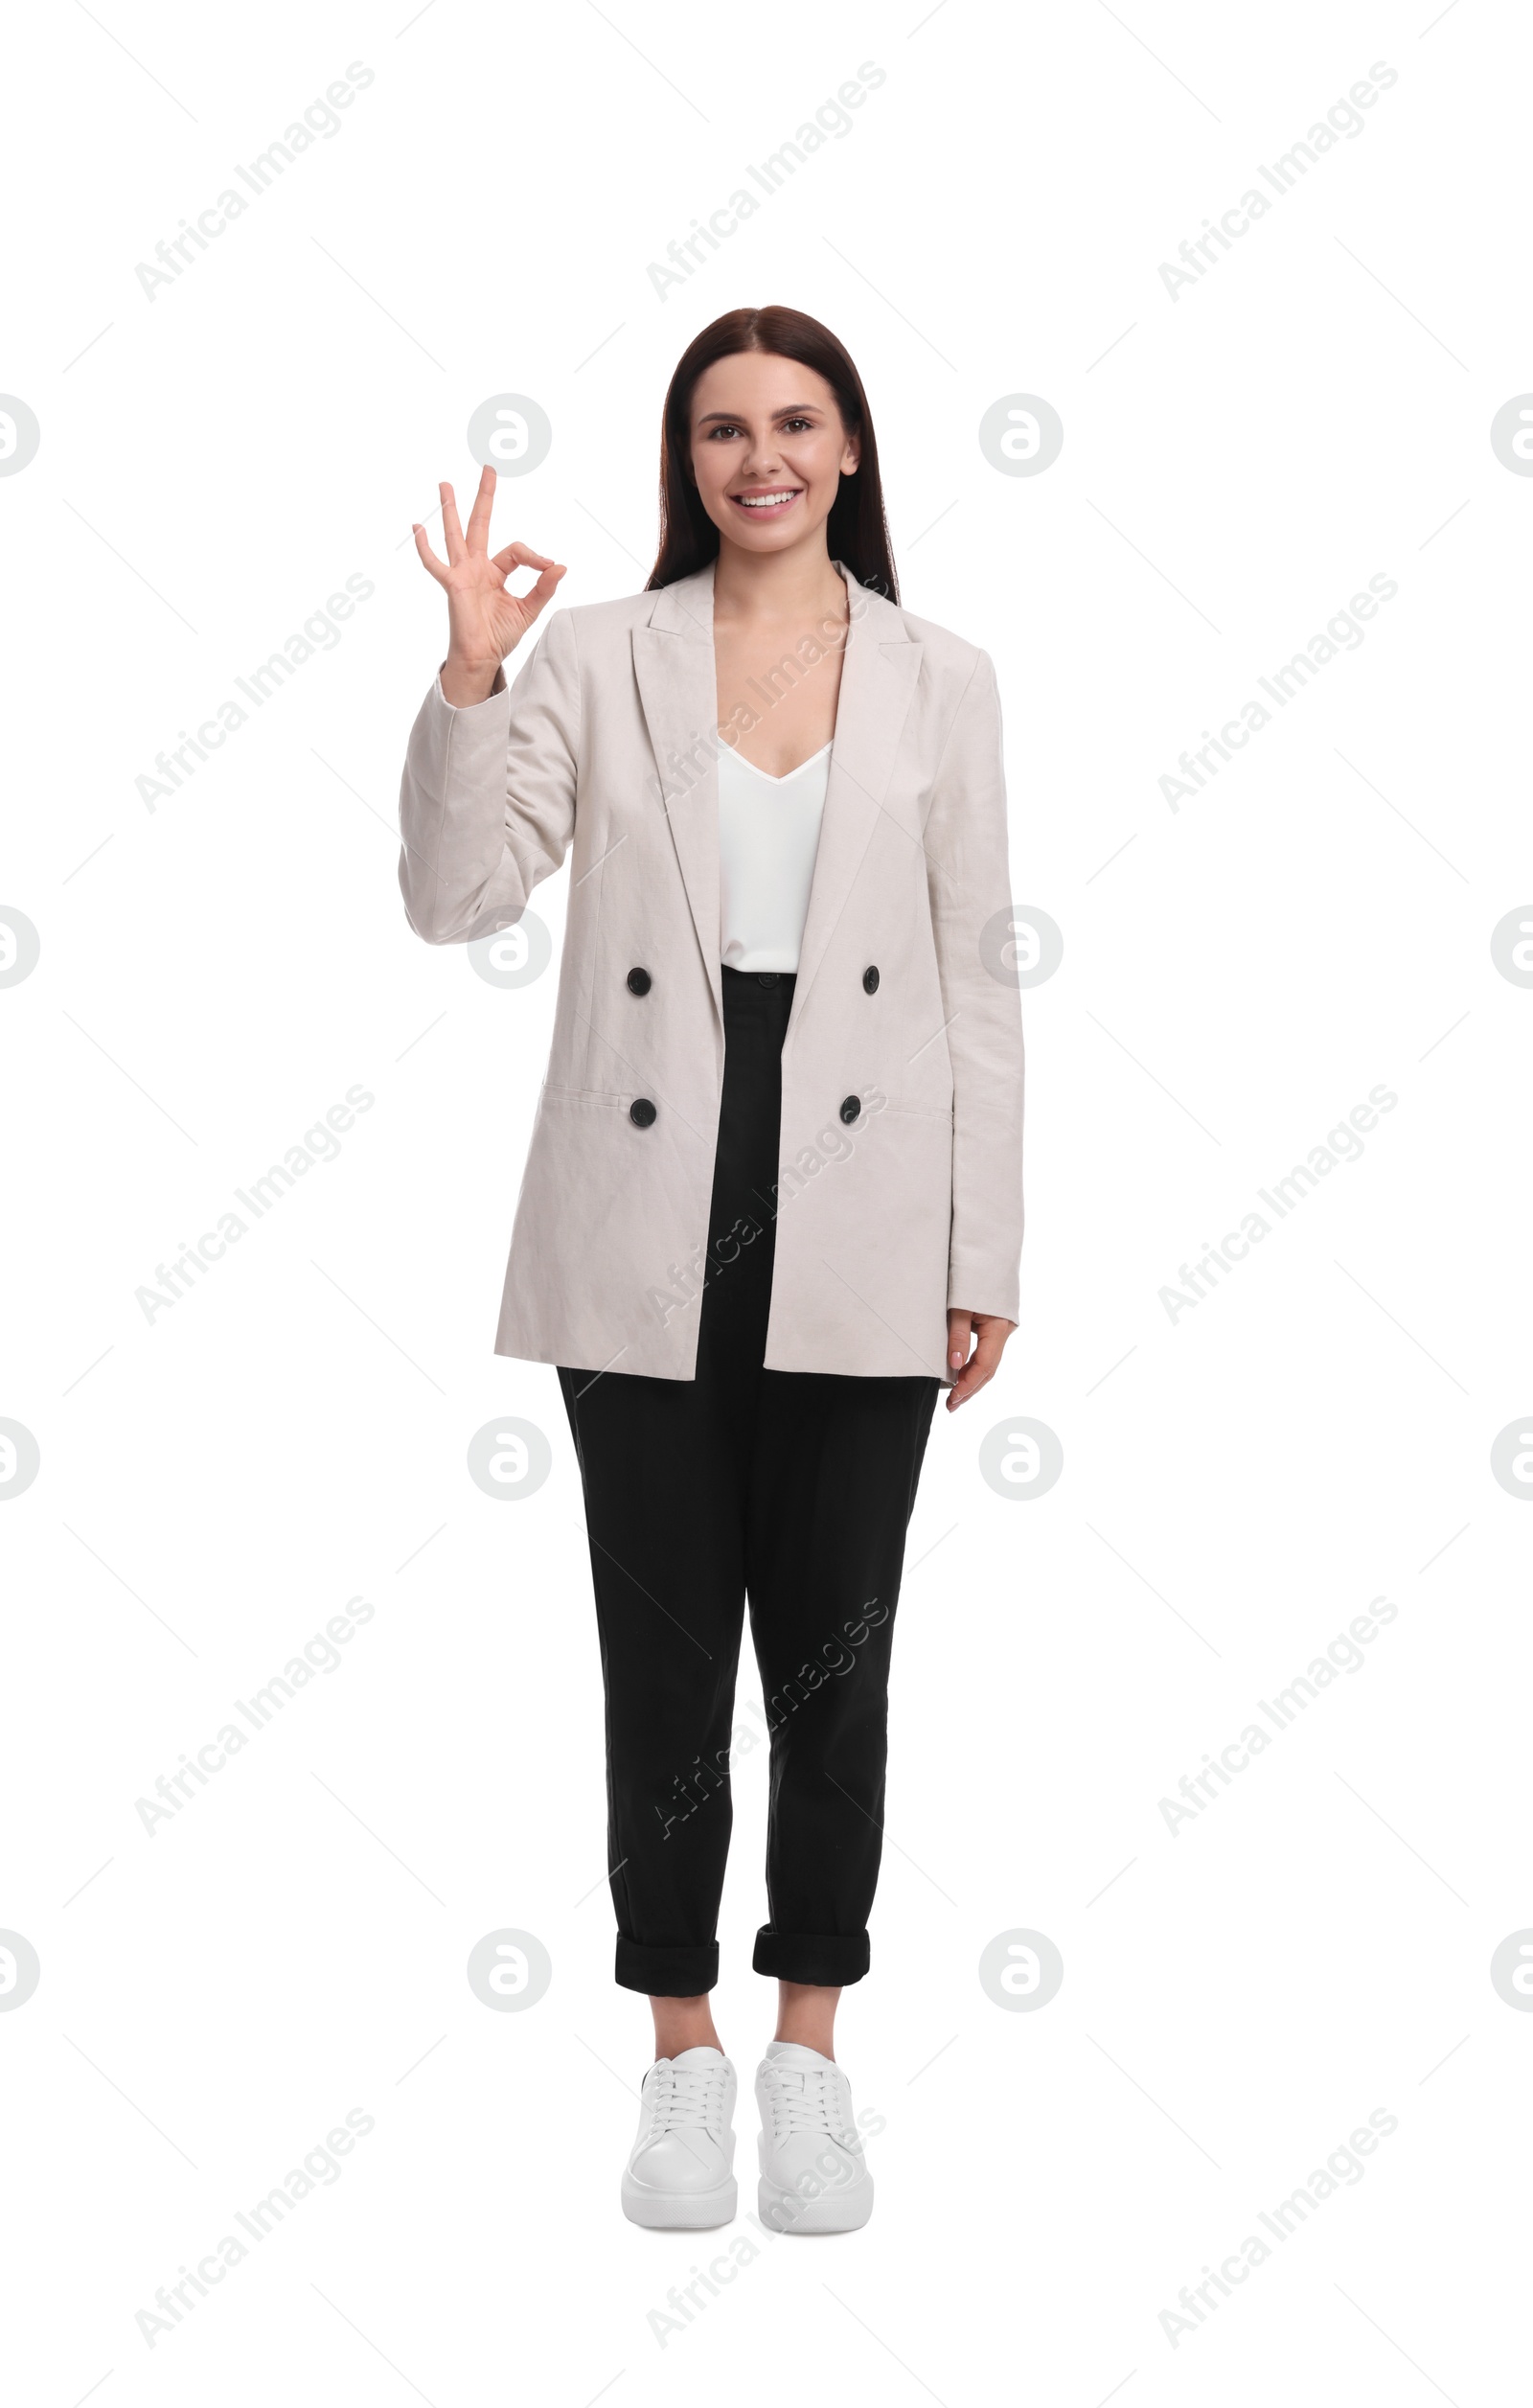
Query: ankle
x=673, y=2044
x=684, y=2023
x=804, y=2034
x=806, y=2016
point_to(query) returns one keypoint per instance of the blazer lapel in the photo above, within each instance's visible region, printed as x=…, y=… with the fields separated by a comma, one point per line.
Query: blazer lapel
x=878, y=672
x=673, y=664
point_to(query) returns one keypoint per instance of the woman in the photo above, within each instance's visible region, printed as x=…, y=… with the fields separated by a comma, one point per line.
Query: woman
x=773, y=1193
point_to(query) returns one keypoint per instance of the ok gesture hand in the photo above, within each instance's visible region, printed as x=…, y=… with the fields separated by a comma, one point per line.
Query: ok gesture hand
x=485, y=620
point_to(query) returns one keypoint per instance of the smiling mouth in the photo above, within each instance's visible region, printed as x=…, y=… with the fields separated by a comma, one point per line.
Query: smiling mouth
x=770, y=503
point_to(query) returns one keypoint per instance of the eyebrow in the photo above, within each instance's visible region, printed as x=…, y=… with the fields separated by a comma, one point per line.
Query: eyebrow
x=732, y=418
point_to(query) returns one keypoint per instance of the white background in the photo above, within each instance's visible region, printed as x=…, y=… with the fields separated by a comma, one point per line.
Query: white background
x=1238, y=974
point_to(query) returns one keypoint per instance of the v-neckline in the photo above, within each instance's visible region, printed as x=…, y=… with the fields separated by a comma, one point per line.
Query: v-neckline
x=787, y=774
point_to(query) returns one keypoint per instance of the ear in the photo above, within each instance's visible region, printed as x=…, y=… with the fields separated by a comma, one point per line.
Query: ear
x=851, y=456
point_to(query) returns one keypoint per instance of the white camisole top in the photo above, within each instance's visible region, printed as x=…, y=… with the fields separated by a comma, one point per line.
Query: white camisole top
x=769, y=835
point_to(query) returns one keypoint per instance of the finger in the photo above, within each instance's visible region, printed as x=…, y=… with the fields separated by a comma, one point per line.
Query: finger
x=479, y=516
x=438, y=568
x=959, y=1328
x=450, y=527
x=987, y=1354
x=985, y=1362
x=522, y=556
x=541, y=595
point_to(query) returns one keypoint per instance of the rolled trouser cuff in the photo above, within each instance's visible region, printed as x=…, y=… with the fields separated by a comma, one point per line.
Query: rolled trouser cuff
x=829, y=1960
x=668, y=1972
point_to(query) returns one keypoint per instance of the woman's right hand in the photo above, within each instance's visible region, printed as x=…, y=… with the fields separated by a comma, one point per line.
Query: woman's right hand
x=485, y=622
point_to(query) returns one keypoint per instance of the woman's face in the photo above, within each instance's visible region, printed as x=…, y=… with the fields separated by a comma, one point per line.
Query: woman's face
x=768, y=451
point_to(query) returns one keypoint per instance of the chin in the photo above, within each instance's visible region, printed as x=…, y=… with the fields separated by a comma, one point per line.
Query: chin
x=776, y=535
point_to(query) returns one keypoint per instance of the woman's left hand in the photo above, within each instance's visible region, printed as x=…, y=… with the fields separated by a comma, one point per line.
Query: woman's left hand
x=976, y=1370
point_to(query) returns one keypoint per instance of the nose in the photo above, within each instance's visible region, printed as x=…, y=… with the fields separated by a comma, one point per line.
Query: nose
x=762, y=459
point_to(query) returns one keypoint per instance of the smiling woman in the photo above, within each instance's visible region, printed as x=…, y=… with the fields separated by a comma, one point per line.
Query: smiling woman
x=822, y=436
x=785, y=980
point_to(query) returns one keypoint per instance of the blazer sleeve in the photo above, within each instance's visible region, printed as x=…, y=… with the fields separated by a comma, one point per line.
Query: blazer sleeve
x=487, y=802
x=968, y=881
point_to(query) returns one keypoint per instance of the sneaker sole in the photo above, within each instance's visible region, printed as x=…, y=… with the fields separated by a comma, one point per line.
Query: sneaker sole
x=680, y=2211
x=842, y=2210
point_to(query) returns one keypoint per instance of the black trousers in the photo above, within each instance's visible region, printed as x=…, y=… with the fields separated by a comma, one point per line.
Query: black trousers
x=795, y=1489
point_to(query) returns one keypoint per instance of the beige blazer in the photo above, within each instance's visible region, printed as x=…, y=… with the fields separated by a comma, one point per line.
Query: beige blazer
x=900, y=1184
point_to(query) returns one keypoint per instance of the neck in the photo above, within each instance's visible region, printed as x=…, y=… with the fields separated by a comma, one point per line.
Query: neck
x=800, y=583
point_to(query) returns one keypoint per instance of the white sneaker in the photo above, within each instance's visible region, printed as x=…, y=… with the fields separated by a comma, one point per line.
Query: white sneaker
x=815, y=2175
x=681, y=2170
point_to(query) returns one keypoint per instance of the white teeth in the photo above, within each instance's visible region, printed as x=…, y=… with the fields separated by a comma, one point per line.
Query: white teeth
x=763, y=501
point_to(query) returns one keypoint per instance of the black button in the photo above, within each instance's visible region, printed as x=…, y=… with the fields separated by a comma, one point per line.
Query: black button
x=870, y=979
x=768, y=978
x=851, y=1108
x=641, y=1112
x=640, y=982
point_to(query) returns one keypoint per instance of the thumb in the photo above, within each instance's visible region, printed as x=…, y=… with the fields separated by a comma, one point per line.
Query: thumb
x=540, y=595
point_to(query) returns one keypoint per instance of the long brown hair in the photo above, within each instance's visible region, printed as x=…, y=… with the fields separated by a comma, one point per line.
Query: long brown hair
x=856, y=531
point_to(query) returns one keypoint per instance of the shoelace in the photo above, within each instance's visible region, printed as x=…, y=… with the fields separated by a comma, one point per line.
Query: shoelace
x=686, y=2096
x=809, y=2098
